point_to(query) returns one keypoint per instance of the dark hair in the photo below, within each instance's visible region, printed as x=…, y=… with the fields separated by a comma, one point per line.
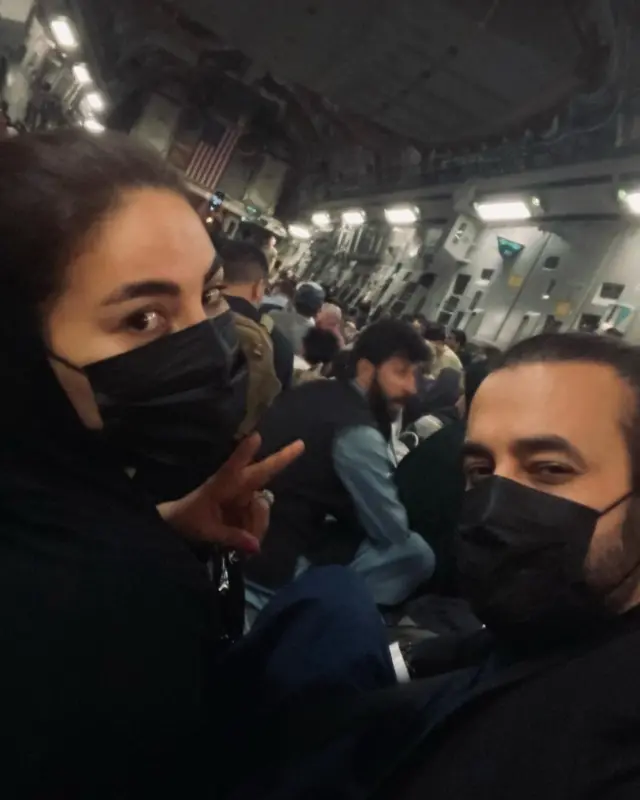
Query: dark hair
x=622, y=357
x=55, y=189
x=390, y=338
x=433, y=332
x=320, y=346
x=285, y=286
x=342, y=366
x=243, y=262
x=309, y=299
x=460, y=336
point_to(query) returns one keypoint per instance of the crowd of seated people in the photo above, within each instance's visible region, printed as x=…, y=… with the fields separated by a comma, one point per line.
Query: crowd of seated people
x=218, y=563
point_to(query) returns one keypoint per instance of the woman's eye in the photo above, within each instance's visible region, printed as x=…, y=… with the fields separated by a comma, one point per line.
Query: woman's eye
x=144, y=321
x=211, y=296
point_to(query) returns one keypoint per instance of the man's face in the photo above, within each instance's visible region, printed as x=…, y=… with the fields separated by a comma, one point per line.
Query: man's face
x=395, y=379
x=558, y=428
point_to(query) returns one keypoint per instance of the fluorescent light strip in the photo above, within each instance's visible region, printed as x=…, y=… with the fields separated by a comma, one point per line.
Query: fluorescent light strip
x=82, y=75
x=401, y=215
x=321, y=219
x=354, y=217
x=64, y=33
x=299, y=231
x=503, y=211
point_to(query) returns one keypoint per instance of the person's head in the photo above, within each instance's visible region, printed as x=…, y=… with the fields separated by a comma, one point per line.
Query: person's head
x=554, y=442
x=329, y=317
x=308, y=299
x=285, y=287
x=436, y=334
x=246, y=271
x=385, y=357
x=418, y=323
x=350, y=331
x=270, y=242
x=320, y=346
x=103, y=256
x=457, y=340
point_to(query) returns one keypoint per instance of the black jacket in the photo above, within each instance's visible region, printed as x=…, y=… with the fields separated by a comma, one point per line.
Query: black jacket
x=489, y=723
x=310, y=490
x=560, y=725
x=109, y=626
x=282, y=350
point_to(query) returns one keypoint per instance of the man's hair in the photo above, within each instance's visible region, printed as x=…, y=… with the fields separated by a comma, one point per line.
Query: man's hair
x=285, y=286
x=308, y=299
x=586, y=348
x=460, y=336
x=390, y=338
x=433, y=332
x=243, y=262
x=320, y=346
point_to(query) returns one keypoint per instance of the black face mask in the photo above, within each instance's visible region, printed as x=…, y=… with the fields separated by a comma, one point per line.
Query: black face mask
x=521, y=557
x=171, y=408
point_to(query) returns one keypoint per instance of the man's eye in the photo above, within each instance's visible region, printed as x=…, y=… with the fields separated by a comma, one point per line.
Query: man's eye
x=477, y=472
x=144, y=321
x=551, y=469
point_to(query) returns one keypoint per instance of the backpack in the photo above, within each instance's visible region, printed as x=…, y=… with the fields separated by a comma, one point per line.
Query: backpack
x=264, y=386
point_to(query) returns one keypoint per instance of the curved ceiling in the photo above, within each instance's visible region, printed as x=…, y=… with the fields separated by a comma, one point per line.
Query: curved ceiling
x=435, y=71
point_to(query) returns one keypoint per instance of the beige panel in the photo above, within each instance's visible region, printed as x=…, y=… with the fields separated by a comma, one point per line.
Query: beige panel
x=157, y=123
x=264, y=189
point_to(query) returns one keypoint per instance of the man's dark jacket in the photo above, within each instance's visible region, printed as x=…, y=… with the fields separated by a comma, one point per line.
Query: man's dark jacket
x=490, y=722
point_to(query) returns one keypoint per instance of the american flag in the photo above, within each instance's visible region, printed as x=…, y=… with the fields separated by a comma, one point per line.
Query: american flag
x=208, y=162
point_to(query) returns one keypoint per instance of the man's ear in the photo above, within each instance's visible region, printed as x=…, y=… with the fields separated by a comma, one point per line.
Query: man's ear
x=258, y=290
x=365, y=373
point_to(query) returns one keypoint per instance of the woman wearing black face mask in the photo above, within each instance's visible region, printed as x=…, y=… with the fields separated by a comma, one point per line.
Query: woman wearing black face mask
x=116, y=355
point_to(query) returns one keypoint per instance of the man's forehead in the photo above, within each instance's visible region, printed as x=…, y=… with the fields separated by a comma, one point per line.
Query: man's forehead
x=570, y=399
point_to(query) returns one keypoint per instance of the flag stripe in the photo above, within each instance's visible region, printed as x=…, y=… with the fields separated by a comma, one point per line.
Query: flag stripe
x=208, y=162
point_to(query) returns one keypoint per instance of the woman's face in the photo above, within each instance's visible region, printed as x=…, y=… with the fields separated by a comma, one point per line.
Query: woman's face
x=145, y=272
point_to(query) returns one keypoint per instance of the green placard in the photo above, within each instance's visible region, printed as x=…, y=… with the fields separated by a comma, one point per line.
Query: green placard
x=508, y=249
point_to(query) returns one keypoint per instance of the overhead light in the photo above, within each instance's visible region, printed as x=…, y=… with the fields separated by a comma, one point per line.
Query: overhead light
x=631, y=199
x=505, y=210
x=299, y=232
x=93, y=126
x=81, y=74
x=321, y=219
x=401, y=215
x=354, y=217
x=96, y=101
x=64, y=33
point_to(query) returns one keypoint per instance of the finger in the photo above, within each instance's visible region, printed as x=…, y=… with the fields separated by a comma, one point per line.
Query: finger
x=229, y=536
x=259, y=513
x=259, y=475
x=241, y=457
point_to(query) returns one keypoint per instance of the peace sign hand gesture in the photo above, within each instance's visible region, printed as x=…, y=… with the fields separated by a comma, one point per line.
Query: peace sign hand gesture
x=230, y=508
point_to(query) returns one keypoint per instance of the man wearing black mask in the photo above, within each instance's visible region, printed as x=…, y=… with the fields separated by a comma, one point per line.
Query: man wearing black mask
x=544, y=702
x=345, y=475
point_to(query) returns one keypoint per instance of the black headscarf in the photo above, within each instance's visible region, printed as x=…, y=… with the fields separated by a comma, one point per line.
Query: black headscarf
x=108, y=623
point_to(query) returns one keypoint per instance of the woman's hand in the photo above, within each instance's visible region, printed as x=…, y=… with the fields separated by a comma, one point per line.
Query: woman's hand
x=230, y=508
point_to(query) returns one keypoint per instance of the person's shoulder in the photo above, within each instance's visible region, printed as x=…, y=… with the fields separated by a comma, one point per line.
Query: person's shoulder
x=279, y=339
